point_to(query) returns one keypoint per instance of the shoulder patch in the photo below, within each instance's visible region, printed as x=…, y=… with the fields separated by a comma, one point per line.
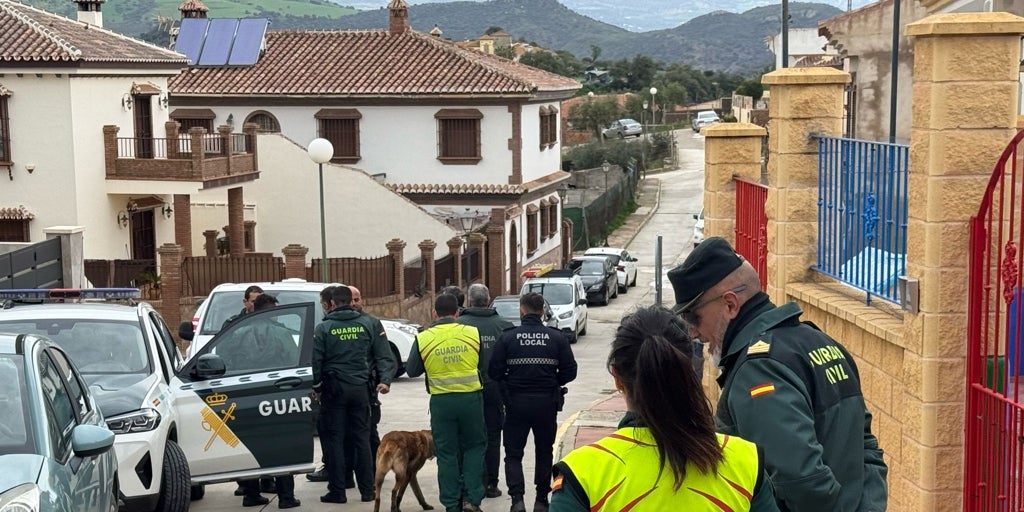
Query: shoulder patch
x=762, y=389
x=761, y=347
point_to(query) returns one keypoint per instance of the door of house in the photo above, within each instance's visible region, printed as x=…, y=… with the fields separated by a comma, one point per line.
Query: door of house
x=752, y=226
x=143, y=108
x=143, y=235
x=994, y=423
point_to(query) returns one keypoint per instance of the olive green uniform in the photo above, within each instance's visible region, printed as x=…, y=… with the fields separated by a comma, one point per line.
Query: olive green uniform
x=795, y=392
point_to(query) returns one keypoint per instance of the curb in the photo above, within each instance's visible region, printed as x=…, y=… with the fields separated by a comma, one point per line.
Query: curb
x=560, y=433
x=654, y=209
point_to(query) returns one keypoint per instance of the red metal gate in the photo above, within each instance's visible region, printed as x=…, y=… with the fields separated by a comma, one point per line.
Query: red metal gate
x=993, y=444
x=752, y=226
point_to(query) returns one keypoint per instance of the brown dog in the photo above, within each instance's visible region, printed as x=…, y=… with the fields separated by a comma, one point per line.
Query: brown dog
x=404, y=453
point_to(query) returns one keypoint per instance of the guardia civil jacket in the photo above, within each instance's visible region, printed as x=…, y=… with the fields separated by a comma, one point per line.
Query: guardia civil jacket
x=794, y=391
x=489, y=324
x=347, y=342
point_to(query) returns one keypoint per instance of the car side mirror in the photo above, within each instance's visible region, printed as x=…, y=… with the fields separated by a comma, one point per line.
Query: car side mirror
x=185, y=331
x=581, y=302
x=695, y=216
x=91, y=440
x=209, y=366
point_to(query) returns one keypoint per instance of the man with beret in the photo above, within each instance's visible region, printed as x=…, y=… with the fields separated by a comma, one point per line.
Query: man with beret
x=786, y=386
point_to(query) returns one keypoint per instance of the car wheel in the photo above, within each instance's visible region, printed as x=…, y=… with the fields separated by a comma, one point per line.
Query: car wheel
x=624, y=288
x=399, y=367
x=607, y=297
x=115, y=495
x=583, y=331
x=621, y=136
x=634, y=281
x=175, y=486
x=198, y=492
x=615, y=294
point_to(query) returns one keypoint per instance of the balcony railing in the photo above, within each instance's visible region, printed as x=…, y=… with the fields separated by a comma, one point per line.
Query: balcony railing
x=195, y=156
x=862, y=213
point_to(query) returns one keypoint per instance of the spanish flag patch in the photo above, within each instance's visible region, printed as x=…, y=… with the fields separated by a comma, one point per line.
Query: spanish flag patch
x=557, y=483
x=762, y=389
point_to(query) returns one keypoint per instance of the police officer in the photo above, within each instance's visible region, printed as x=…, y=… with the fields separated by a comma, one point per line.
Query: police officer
x=320, y=475
x=350, y=482
x=490, y=325
x=341, y=375
x=449, y=353
x=534, y=361
x=786, y=386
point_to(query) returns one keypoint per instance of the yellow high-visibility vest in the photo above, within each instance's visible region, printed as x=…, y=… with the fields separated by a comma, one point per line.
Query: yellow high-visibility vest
x=620, y=472
x=451, y=353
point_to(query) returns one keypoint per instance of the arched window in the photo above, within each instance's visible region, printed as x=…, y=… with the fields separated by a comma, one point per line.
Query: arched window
x=266, y=121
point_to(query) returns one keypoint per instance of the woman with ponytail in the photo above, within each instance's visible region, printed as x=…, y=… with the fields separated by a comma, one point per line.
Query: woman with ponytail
x=665, y=456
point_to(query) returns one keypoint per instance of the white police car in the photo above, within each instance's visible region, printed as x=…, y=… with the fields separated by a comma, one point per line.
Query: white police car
x=179, y=423
x=225, y=301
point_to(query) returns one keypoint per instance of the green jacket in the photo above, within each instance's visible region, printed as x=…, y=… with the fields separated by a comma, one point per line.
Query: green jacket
x=347, y=342
x=795, y=392
x=489, y=324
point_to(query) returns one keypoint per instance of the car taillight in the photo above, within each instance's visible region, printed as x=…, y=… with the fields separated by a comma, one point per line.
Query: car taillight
x=195, y=323
x=620, y=267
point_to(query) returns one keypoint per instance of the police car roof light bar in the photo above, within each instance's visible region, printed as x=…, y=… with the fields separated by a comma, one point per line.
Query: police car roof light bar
x=70, y=293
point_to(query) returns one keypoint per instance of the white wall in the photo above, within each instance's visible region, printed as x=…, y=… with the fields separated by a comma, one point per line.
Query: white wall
x=536, y=162
x=361, y=214
x=802, y=41
x=215, y=216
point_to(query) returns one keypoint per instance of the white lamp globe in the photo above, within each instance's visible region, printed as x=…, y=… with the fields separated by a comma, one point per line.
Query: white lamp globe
x=654, y=90
x=320, y=151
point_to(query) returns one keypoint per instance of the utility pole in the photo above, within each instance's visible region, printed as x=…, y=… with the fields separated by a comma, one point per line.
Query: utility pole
x=895, y=69
x=785, y=33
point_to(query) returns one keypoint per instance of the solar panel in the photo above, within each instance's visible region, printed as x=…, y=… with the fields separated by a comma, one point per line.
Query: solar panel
x=190, y=38
x=219, y=38
x=248, y=41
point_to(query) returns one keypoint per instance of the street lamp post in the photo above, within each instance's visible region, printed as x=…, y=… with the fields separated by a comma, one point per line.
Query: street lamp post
x=654, y=118
x=321, y=151
x=643, y=147
x=605, y=167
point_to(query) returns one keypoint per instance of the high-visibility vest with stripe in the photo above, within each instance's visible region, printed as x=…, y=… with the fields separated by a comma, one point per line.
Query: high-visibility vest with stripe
x=620, y=472
x=451, y=353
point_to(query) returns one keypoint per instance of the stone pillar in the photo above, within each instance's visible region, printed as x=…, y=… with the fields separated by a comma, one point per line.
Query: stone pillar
x=395, y=250
x=183, y=222
x=236, y=226
x=171, y=140
x=295, y=261
x=71, y=254
x=427, y=260
x=225, y=145
x=805, y=101
x=477, y=241
x=731, y=150
x=211, y=242
x=251, y=130
x=195, y=135
x=496, y=254
x=567, y=228
x=965, y=105
x=110, y=149
x=170, y=284
x=455, y=249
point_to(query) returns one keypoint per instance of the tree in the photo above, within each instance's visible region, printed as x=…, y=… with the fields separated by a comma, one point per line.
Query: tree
x=492, y=29
x=505, y=52
x=752, y=88
x=595, y=114
x=595, y=53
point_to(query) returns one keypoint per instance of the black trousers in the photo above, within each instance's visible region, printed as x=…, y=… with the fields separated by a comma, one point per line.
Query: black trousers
x=526, y=412
x=341, y=416
x=494, y=418
x=285, y=486
x=374, y=440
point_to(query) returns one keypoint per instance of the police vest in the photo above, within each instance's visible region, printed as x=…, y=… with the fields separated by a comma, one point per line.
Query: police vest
x=451, y=353
x=621, y=471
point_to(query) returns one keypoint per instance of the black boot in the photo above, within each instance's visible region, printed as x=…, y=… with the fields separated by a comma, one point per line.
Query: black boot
x=518, y=505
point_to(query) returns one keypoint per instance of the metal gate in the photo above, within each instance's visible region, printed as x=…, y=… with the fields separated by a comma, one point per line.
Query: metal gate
x=752, y=226
x=993, y=444
x=36, y=266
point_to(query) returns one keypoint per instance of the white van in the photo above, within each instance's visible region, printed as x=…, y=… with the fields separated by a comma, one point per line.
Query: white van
x=564, y=290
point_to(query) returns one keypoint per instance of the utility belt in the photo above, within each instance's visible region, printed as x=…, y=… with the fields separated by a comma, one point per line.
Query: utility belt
x=332, y=388
x=558, y=395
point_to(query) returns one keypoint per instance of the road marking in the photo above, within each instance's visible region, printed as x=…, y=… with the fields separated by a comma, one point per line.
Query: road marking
x=562, y=429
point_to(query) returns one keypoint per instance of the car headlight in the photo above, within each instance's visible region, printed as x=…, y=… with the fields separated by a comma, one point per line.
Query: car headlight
x=142, y=420
x=596, y=288
x=565, y=315
x=23, y=498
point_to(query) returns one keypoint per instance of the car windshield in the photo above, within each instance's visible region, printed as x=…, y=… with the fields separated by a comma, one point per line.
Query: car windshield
x=96, y=346
x=628, y=121
x=16, y=434
x=592, y=268
x=507, y=308
x=556, y=293
x=224, y=305
x=707, y=115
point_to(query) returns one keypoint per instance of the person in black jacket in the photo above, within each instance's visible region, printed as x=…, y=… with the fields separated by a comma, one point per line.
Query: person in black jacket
x=534, y=362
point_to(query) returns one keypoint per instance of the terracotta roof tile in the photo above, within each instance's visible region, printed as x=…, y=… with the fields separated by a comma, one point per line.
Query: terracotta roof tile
x=477, y=188
x=33, y=35
x=368, y=63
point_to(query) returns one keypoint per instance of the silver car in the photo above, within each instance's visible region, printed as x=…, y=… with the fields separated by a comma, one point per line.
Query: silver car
x=507, y=307
x=624, y=128
x=704, y=118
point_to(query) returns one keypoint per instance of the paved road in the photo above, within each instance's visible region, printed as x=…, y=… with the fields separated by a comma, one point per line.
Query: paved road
x=405, y=408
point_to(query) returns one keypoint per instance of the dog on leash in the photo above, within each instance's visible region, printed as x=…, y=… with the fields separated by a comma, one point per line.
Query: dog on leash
x=404, y=453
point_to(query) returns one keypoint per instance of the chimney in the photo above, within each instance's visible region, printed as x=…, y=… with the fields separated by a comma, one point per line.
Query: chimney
x=436, y=31
x=193, y=9
x=89, y=12
x=398, y=21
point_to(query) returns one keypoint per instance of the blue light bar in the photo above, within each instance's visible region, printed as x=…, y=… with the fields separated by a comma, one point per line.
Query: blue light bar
x=71, y=293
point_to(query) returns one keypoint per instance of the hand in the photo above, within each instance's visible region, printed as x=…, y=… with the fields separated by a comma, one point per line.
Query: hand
x=383, y=388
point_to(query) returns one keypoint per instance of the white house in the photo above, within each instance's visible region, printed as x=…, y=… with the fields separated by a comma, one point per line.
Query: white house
x=461, y=133
x=804, y=45
x=82, y=115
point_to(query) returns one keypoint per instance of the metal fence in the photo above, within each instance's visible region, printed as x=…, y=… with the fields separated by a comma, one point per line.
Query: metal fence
x=862, y=213
x=120, y=273
x=200, y=274
x=593, y=214
x=752, y=226
x=375, y=277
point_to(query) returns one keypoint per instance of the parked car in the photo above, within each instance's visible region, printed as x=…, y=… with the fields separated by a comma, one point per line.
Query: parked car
x=698, y=228
x=624, y=128
x=507, y=307
x=625, y=264
x=55, y=449
x=225, y=301
x=563, y=289
x=600, y=279
x=704, y=118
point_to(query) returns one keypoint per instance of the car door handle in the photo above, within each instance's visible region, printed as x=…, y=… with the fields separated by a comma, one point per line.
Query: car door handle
x=288, y=383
